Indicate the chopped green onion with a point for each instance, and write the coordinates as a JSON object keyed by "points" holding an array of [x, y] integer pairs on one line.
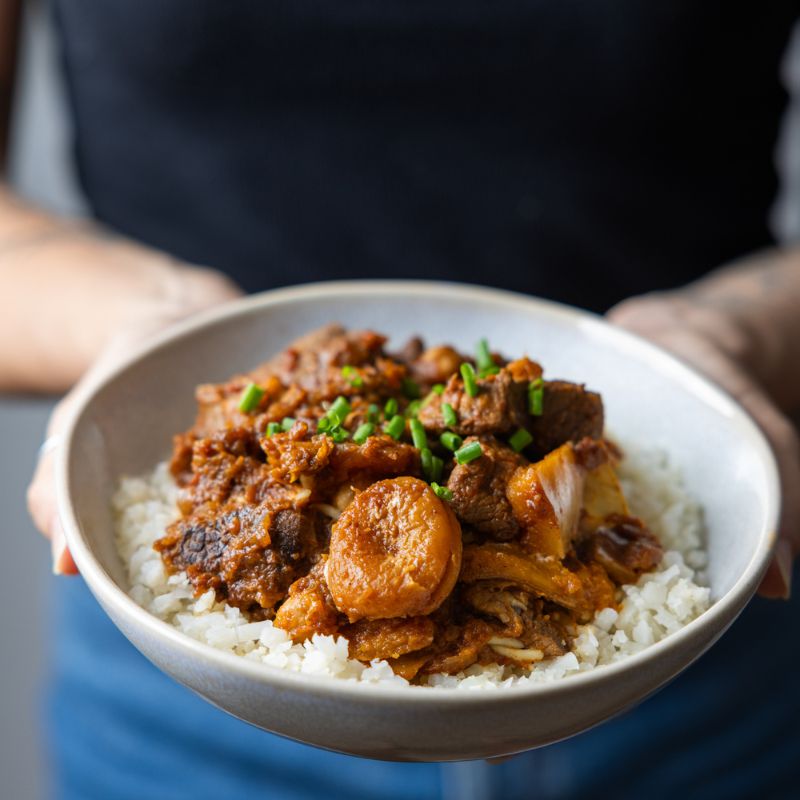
{"points": [[520, 440], [352, 375], [438, 388], [451, 441], [469, 452], [436, 468], [395, 427], [273, 428], [470, 384], [442, 492], [413, 408], [363, 432], [339, 435], [449, 415], [426, 457], [483, 358], [410, 389], [287, 422], [418, 434], [325, 425], [536, 397], [373, 413], [339, 410], [250, 397], [390, 409], [487, 371]]}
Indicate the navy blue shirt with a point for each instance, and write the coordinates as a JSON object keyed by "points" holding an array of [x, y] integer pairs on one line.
{"points": [[582, 151]]}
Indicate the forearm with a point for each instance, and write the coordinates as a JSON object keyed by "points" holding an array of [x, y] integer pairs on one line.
{"points": [[67, 288]]}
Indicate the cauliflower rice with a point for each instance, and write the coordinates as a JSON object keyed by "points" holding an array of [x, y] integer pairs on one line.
{"points": [[660, 603]]}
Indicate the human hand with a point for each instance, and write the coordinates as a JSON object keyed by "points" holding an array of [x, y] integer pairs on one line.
{"points": [[187, 290], [713, 339]]}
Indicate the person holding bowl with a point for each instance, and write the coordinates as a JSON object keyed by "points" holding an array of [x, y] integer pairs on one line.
{"points": [[618, 157]]}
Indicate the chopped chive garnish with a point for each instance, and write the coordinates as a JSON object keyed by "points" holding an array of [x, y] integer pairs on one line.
{"points": [[487, 371], [395, 426], [351, 374], [273, 428], [339, 435], [363, 432], [325, 424], [413, 408], [339, 410], [470, 384], [451, 441], [442, 492], [426, 457], [483, 358], [520, 440], [418, 434], [536, 397], [469, 452], [390, 409], [449, 415], [410, 389], [250, 397], [373, 413], [438, 388], [287, 422], [437, 466]]}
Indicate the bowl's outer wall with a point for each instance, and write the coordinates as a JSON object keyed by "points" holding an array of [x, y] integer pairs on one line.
{"points": [[434, 731], [127, 426]]}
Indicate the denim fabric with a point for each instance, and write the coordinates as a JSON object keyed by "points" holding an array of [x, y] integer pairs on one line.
{"points": [[121, 730]]}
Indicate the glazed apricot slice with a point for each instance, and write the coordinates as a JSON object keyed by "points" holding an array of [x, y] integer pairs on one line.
{"points": [[395, 552]]}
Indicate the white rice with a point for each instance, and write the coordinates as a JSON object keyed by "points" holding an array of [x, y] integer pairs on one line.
{"points": [[660, 603]]}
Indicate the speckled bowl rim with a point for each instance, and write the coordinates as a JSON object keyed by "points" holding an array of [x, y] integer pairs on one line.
{"points": [[686, 378]]}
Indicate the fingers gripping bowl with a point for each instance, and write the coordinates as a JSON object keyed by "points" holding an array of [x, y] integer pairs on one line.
{"points": [[121, 428]]}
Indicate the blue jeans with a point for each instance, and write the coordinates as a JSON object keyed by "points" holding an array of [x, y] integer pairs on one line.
{"points": [[119, 729]]}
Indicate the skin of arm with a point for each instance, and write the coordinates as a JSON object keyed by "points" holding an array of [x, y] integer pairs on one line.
{"points": [[740, 326]]}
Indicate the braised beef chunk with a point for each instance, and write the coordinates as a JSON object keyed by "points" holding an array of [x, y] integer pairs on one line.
{"points": [[624, 547], [436, 365], [498, 407], [247, 554], [479, 489], [293, 535], [569, 414], [287, 512]]}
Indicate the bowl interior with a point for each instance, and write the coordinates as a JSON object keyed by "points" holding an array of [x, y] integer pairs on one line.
{"points": [[649, 397]]}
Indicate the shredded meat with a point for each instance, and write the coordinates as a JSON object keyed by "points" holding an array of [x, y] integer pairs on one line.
{"points": [[388, 638], [309, 608]]}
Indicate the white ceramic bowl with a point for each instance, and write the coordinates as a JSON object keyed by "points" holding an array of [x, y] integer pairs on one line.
{"points": [[124, 426]]}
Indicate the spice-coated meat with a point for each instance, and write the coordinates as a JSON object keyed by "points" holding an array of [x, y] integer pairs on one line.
{"points": [[249, 555], [569, 414], [479, 489]]}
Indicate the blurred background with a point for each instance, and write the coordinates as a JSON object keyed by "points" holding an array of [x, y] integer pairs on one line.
{"points": [[41, 171]]}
